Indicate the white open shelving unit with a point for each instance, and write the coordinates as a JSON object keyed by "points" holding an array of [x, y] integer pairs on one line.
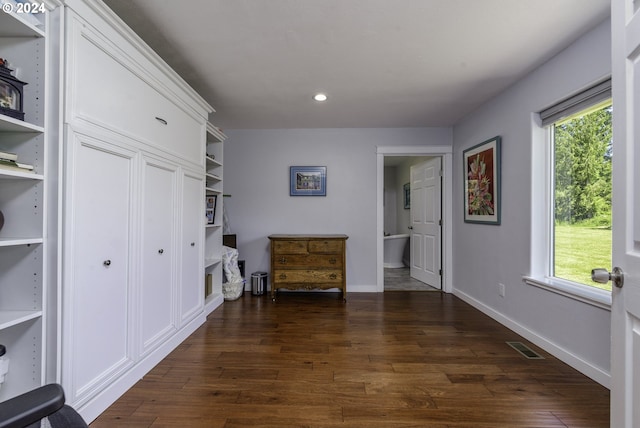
{"points": [[214, 231], [25, 199]]}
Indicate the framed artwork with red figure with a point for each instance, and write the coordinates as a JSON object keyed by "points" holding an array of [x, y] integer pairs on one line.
{"points": [[482, 197]]}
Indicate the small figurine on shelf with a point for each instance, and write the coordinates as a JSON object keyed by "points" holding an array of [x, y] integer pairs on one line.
{"points": [[11, 92]]}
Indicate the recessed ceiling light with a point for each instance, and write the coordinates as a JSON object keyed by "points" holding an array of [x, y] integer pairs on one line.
{"points": [[320, 97]]}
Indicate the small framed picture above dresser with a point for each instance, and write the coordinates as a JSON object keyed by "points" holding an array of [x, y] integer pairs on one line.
{"points": [[308, 181]]}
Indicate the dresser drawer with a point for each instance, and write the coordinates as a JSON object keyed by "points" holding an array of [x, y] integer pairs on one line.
{"points": [[326, 246], [290, 247], [308, 276], [296, 261]]}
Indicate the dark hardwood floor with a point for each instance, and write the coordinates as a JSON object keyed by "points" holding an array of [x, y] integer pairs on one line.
{"points": [[397, 359]]}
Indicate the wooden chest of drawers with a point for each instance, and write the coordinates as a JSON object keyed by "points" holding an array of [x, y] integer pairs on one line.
{"points": [[307, 262]]}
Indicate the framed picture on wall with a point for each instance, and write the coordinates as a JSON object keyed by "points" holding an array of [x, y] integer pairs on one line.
{"points": [[308, 181], [482, 197]]}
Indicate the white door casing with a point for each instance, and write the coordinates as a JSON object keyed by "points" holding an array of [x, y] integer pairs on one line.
{"points": [[446, 154], [425, 228], [625, 308]]}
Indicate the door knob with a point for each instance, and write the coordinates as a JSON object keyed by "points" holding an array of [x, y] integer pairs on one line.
{"points": [[603, 276]]}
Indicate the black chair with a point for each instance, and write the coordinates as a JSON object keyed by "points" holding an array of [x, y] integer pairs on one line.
{"points": [[31, 408]]}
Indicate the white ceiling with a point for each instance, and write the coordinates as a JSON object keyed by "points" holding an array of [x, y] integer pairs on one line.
{"points": [[382, 63]]}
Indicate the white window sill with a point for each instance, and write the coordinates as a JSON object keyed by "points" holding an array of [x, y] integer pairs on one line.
{"points": [[583, 293]]}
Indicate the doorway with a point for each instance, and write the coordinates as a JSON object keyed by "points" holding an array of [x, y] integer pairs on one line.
{"points": [[445, 154], [406, 244]]}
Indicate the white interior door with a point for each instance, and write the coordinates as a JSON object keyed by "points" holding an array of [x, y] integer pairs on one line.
{"points": [[625, 309], [426, 215]]}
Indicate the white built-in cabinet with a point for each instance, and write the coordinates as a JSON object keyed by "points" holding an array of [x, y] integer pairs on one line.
{"points": [[27, 201], [214, 231], [133, 242], [104, 245]]}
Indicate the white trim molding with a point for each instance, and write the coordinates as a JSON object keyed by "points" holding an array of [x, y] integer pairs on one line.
{"points": [[583, 293]]}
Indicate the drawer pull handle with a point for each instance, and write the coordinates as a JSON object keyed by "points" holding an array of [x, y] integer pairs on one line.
{"points": [[193, 244], [333, 276], [160, 251], [107, 263], [283, 276], [161, 120], [283, 261], [333, 260]]}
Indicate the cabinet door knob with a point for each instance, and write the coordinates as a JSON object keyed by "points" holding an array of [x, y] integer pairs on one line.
{"points": [[283, 276], [160, 251], [333, 276], [283, 261], [107, 263], [193, 244]]}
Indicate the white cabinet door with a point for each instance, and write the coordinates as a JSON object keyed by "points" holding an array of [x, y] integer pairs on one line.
{"points": [[96, 287], [157, 294], [191, 278], [150, 113]]}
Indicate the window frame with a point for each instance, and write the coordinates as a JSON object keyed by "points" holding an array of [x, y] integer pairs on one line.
{"points": [[543, 216]]}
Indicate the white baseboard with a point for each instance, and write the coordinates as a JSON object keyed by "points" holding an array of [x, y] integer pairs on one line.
{"points": [[350, 289], [362, 289], [584, 367], [212, 302], [393, 265]]}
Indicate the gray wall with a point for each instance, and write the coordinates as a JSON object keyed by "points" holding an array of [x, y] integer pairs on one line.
{"points": [[256, 174], [484, 256]]}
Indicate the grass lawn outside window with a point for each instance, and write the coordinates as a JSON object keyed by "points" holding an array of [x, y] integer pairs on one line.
{"points": [[578, 249]]}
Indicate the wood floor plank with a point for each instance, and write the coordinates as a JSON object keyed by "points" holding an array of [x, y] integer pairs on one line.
{"points": [[401, 359]]}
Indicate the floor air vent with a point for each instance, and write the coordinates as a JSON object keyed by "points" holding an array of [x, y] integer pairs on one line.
{"points": [[525, 351]]}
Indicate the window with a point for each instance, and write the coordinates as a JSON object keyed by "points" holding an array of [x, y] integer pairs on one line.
{"points": [[582, 195], [578, 190]]}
